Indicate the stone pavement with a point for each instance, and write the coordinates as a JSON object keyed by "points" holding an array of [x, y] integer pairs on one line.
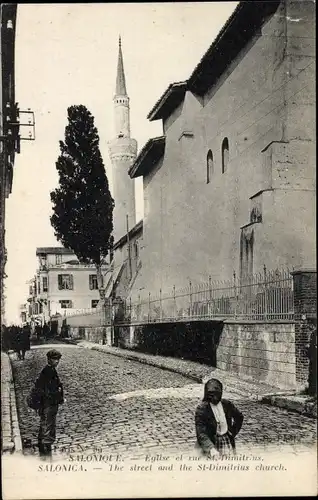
{"points": [[250, 389], [117, 405], [197, 371]]}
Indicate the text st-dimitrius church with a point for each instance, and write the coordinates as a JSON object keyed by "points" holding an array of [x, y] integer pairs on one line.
{"points": [[229, 186]]}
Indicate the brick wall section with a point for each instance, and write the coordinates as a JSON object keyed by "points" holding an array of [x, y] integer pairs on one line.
{"points": [[260, 351], [305, 306]]}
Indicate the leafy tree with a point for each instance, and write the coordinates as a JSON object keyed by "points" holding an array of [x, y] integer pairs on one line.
{"points": [[82, 204]]}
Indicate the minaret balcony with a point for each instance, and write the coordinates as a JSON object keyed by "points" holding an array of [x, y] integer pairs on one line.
{"points": [[121, 100], [123, 146]]}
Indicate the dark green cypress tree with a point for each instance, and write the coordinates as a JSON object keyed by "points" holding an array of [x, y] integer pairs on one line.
{"points": [[82, 204]]}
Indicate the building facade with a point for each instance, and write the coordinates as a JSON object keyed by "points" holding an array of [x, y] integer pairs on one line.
{"points": [[230, 184], [61, 286], [9, 127]]}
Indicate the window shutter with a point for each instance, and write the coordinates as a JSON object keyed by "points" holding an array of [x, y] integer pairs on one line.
{"points": [[60, 281], [71, 282]]}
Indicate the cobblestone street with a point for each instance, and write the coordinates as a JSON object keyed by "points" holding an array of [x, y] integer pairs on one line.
{"points": [[117, 405]]}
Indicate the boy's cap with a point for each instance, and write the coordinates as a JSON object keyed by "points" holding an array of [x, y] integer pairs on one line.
{"points": [[53, 354]]}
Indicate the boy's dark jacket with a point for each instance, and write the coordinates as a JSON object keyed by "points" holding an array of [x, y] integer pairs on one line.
{"points": [[206, 425], [49, 387]]}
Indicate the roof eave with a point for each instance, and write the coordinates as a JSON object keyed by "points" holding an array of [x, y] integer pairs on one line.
{"points": [[251, 15], [133, 231], [137, 168], [159, 110], [53, 250]]}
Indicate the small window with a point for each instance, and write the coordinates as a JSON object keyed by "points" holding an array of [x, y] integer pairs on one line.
{"points": [[65, 281], [45, 284], [93, 285], [209, 166], [66, 304], [225, 154], [94, 303], [58, 259]]}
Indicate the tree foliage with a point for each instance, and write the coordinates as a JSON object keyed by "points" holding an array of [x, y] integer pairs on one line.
{"points": [[82, 204]]}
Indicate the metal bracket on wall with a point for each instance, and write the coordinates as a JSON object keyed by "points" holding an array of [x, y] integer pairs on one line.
{"points": [[29, 115]]}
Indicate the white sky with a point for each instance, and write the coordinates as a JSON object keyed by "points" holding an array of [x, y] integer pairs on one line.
{"points": [[66, 54]]}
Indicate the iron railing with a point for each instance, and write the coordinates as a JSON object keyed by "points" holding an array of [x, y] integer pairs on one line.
{"points": [[266, 296]]}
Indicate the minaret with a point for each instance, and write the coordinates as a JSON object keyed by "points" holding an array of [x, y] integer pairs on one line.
{"points": [[122, 152]]}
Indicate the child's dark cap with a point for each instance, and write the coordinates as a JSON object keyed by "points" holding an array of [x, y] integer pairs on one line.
{"points": [[53, 354]]}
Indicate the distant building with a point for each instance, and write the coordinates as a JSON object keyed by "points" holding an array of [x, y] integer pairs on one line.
{"points": [[230, 184], [62, 285], [24, 313]]}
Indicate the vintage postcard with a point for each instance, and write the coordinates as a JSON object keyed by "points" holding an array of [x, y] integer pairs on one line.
{"points": [[158, 257]]}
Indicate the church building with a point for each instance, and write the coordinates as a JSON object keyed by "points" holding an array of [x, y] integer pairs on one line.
{"points": [[230, 184]]}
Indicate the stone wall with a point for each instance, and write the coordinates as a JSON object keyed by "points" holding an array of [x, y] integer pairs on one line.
{"points": [[96, 334], [97, 318], [260, 351], [189, 340]]}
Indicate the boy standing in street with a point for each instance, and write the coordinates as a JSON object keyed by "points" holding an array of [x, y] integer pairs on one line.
{"points": [[50, 391], [217, 422]]}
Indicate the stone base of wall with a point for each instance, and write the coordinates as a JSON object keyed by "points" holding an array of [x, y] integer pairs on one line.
{"points": [[259, 351], [192, 340], [96, 334], [262, 352]]}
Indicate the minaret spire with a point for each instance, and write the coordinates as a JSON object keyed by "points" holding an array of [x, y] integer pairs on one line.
{"points": [[122, 151], [120, 80]]}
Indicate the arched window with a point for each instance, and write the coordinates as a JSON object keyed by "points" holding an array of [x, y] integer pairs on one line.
{"points": [[225, 154], [209, 166]]}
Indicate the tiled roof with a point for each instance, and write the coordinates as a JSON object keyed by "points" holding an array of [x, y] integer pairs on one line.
{"points": [[245, 21], [169, 100], [242, 25], [54, 250]]}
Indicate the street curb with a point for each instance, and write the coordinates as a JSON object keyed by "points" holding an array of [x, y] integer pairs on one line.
{"points": [[148, 362], [15, 442], [306, 408]]}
